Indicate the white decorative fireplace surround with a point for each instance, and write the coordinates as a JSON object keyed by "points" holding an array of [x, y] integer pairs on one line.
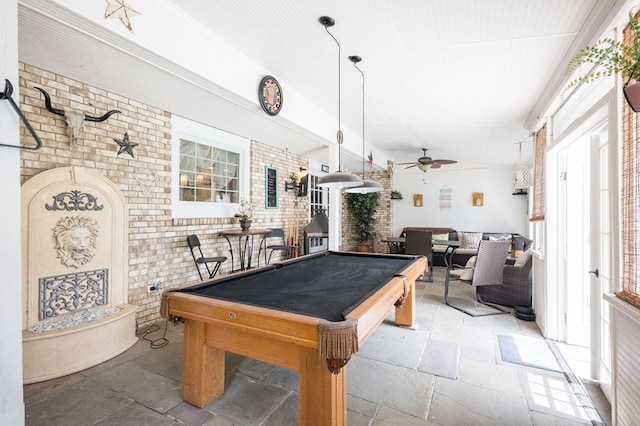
{"points": [[74, 269]]}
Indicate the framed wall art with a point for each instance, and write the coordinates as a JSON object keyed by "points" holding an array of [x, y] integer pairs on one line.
{"points": [[478, 199], [446, 198]]}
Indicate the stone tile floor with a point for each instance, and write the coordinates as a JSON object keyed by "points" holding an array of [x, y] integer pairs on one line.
{"points": [[446, 371]]}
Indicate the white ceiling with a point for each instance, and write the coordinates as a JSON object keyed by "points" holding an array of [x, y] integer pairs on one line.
{"points": [[464, 78]]}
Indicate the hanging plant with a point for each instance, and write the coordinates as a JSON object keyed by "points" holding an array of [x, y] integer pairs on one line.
{"points": [[609, 57], [396, 195]]}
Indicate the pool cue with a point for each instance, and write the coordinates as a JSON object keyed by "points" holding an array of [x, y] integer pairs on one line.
{"points": [[289, 225], [296, 231]]}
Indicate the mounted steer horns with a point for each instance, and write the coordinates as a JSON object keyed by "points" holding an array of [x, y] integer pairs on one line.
{"points": [[74, 120]]}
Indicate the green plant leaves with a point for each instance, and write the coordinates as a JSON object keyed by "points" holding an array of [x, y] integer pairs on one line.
{"points": [[363, 210], [608, 57]]}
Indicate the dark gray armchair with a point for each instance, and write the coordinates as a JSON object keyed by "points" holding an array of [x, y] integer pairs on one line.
{"points": [[516, 289], [419, 242], [483, 270]]}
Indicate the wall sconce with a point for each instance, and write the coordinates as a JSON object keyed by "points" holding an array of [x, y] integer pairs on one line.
{"points": [[298, 181]]}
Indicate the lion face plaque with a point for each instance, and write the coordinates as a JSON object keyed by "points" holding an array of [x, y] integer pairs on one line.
{"points": [[75, 240]]}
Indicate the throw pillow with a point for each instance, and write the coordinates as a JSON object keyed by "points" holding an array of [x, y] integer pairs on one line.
{"points": [[470, 240], [501, 238], [522, 259], [441, 237], [467, 274]]}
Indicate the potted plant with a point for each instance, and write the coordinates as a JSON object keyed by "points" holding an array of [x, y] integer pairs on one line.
{"points": [[245, 214], [610, 57], [363, 210], [396, 195]]}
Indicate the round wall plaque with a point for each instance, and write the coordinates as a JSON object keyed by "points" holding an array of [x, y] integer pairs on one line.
{"points": [[270, 95]]}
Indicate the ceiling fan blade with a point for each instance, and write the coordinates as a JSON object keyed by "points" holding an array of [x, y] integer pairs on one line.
{"points": [[425, 162], [402, 164]]}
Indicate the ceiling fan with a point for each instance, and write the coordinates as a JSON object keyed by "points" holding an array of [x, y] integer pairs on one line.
{"points": [[425, 163]]}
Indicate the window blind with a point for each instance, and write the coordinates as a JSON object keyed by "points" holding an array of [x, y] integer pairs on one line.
{"points": [[630, 206], [537, 210]]}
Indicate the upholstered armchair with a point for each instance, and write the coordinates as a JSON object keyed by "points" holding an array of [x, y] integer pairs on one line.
{"points": [[483, 270], [516, 288]]}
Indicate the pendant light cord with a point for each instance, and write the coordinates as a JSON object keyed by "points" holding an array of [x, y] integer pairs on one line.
{"points": [[339, 135], [355, 64], [367, 186], [520, 152]]}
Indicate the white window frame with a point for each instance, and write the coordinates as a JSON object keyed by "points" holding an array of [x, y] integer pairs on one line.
{"points": [[183, 128]]}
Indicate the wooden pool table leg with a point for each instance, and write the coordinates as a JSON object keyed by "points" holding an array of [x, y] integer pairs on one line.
{"points": [[202, 366], [323, 395], [406, 314]]}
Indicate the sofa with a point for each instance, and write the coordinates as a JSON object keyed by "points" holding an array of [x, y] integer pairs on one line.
{"points": [[462, 254]]}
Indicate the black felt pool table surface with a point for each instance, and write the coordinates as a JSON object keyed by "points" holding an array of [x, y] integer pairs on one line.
{"points": [[327, 285]]}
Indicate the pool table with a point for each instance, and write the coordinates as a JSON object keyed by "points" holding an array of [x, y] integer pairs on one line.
{"points": [[307, 314]]}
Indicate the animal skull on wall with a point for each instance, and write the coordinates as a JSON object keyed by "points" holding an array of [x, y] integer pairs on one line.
{"points": [[74, 120]]}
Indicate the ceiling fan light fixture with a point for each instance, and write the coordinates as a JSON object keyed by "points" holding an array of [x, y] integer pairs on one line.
{"points": [[338, 179], [426, 163]]}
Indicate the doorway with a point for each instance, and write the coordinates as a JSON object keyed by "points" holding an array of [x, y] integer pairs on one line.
{"points": [[577, 218], [582, 245]]}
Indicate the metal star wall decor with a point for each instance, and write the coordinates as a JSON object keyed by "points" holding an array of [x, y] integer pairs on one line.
{"points": [[118, 9], [125, 145]]}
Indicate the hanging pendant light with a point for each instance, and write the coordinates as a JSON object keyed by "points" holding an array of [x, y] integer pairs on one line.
{"points": [[368, 186], [337, 179], [521, 176]]}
